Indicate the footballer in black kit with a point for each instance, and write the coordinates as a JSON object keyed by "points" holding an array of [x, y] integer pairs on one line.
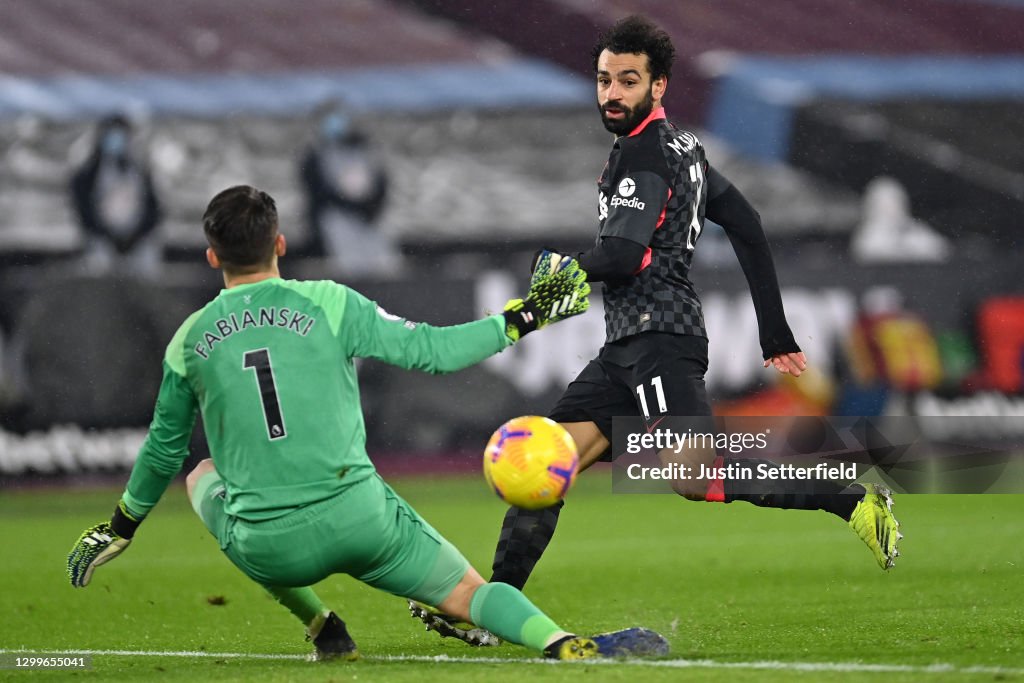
{"points": [[654, 194]]}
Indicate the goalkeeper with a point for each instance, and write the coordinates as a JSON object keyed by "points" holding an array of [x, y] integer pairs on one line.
{"points": [[290, 493]]}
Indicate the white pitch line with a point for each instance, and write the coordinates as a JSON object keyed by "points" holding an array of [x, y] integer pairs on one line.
{"points": [[771, 665]]}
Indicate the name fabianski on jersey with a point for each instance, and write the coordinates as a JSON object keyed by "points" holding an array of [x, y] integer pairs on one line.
{"points": [[294, 321]]}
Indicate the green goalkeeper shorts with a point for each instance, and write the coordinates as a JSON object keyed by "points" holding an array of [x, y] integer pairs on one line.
{"points": [[367, 531]]}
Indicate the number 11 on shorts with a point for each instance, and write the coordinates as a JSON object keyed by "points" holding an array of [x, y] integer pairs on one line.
{"points": [[659, 393]]}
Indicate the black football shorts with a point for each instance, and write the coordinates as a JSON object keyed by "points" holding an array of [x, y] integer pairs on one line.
{"points": [[650, 375]]}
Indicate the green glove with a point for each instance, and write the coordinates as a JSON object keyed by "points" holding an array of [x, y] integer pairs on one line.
{"points": [[547, 262], [97, 545], [100, 544], [558, 290]]}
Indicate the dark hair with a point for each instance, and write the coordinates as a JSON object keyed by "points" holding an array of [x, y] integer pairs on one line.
{"points": [[241, 225], [636, 35]]}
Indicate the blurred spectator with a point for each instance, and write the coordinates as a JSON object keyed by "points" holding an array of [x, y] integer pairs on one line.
{"points": [[889, 233], [345, 185], [116, 204]]}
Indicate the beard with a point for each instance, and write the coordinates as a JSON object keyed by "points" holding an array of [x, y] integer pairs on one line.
{"points": [[631, 116]]}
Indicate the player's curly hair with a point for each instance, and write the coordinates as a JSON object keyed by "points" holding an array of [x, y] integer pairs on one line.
{"points": [[241, 225], [637, 35]]}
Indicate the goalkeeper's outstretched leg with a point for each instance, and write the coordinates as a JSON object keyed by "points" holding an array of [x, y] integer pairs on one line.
{"points": [[507, 613], [328, 632]]}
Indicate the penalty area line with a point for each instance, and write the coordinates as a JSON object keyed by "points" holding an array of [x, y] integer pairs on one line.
{"points": [[770, 665]]}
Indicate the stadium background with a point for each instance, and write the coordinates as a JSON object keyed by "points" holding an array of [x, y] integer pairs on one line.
{"points": [[485, 123], [483, 115]]}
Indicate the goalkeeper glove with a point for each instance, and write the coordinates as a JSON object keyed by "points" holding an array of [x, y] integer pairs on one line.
{"points": [[546, 262], [100, 544], [558, 290]]}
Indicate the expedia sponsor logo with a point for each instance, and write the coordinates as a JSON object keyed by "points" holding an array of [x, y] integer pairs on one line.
{"points": [[633, 203], [624, 197]]}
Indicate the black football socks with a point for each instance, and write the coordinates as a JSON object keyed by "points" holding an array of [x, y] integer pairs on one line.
{"points": [[525, 535], [787, 493]]}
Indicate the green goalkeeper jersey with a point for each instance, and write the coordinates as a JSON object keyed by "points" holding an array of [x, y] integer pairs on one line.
{"points": [[269, 365]]}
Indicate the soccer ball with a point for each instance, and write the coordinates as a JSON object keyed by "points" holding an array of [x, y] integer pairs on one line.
{"points": [[530, 462]]}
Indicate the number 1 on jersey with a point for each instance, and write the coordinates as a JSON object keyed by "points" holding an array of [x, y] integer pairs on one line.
{"points": [[259, 360]]}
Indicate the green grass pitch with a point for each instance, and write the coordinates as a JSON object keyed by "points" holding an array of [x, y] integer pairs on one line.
{"points": [[743, 594]]}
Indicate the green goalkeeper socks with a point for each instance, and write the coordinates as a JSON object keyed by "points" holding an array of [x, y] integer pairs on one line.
{"points": [[498, 607], [302, 602], [508, 614]]}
